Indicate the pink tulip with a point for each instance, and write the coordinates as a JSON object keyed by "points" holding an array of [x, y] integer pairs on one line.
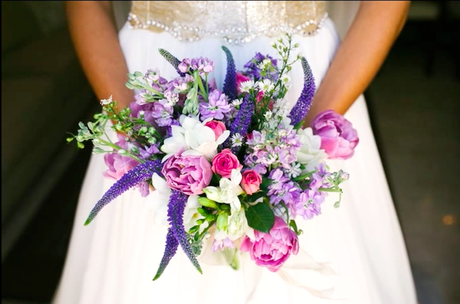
{"points": [[272, 249], [338, 138], [189, 174]]}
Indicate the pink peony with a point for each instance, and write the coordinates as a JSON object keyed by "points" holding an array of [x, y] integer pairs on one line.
{"points": [[272, 249], [118, 164], [239, 79], [224, 162], [250, 181], [189, 174], [338, 138], [217, 126]]}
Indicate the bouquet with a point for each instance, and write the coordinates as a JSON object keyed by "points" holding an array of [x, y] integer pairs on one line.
{"points": [[234, 165]]}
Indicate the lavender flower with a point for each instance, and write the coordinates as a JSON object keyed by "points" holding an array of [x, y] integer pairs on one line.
{"points": [[242, 121], [170, 251], [303, 104], [216, 107], [309, 204], [172, 60], [132, 178], [162, 113], [282, 189], [253, 66], [230, 87], [176, 208], [146, 152]]}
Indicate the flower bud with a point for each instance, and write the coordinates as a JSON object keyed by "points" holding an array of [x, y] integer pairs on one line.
{"points": [[222, 221], [204, 201]]}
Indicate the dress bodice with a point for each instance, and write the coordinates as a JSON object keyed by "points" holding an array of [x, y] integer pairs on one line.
{"points": [[235, 21]]}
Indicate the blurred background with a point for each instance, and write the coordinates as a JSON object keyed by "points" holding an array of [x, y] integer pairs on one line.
{"points": [[414, 104]]}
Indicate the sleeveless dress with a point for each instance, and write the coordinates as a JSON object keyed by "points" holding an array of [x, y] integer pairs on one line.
{"points": [[353, 254]]}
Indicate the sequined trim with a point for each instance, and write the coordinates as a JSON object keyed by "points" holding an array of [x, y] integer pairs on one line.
{"points": [[246, 20]]}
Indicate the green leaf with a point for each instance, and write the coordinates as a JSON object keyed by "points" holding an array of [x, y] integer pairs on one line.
{"points": [[260, 217], [265, 183], [254, 197], [194, 229]]}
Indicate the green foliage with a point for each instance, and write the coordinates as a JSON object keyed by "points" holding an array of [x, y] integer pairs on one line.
{"points": [[260, 217]]}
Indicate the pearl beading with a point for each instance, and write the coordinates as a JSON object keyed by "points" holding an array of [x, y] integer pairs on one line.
{"points": [[232, 34]]}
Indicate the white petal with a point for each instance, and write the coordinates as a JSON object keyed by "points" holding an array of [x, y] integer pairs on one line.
{"points": [[223, 137], [160, 184], [213, 193]]}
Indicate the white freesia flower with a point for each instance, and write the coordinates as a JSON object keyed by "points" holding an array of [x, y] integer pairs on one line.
{"points": [[158, 199], [193, 138], [228, 190], [191, 214], [310, 154], [237, 227]]}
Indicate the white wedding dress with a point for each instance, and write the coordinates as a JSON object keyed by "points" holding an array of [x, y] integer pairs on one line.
{"points": [[357, 249]]}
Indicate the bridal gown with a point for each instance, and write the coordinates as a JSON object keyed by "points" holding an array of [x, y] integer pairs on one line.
{"points": [[353, 254]]}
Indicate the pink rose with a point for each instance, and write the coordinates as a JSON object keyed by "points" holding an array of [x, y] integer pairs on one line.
{"points": [[240, 78], [250, 181], [272, 249], [118, 164], [217, 126], [189, 174], [338, 138], [224, 162]]}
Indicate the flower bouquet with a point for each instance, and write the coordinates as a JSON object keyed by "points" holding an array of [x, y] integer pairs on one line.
{"points": [[232, 167]]}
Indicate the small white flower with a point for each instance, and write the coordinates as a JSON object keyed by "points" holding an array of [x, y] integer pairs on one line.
{"points": [[246, 86], [153, 76], [285, 79], [294, 171], [268, 115], [237, 140], [265, 63], [181, 87], [237, 102], [266, 85], [107, 101]]}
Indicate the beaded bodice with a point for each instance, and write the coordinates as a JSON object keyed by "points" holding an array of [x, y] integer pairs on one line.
{"points": [[235, 21]]}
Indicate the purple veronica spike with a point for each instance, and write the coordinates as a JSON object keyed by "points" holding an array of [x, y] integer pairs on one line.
{"points": [[133, 177], [170, 251], [303, 104], [175, 212], [242, 121], [230, 79], [172, 60]]}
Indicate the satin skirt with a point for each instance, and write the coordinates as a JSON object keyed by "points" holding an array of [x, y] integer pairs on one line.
{"points": [[352, 254]]}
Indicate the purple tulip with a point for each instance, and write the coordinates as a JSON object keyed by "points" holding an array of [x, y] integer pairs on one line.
{"points": [[189, 174], [272, 249], [338, 138]]}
